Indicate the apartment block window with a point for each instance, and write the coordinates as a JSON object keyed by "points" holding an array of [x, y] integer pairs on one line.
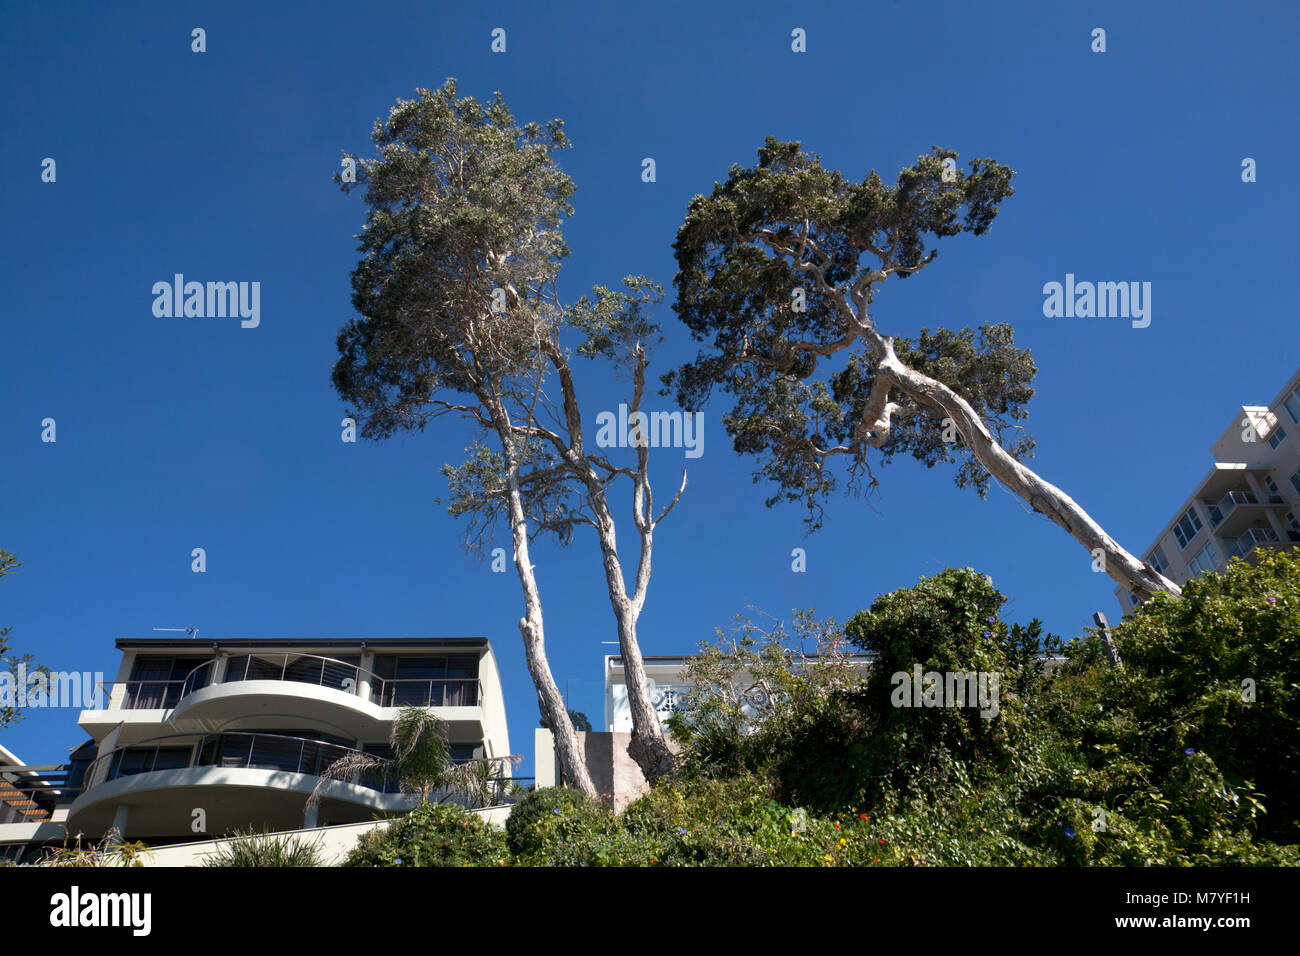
{"points": [[427, 680], [1190, 523], [1133, 598], [1270, 484], [1158, 561], [1291, 520], [1277, 437], [1295, 482], [1207, 559], [156, 682], [1292, 404]]}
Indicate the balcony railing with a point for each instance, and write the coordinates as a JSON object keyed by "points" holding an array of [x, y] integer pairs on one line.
{"points": [[1250, 539], [1225, 505], [305, 669], [285, 754], [254, 751], [436, 692]]}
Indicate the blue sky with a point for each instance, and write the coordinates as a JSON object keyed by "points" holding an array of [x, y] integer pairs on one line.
{"points": [[183, 433]]}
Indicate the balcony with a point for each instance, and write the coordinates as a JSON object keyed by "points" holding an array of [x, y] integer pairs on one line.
{"points": [[1253, 538], [305, 669], [242, 779], [1224, 506], [318, 691]]}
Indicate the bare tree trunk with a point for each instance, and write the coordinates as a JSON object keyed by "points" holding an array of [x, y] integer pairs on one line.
{"points": [[572, 762], [648, 746], [1044, 497]]}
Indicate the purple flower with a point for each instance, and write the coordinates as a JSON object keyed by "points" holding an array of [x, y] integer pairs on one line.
{"points": [[1272, 600], [1189, 751], [398, 861], [988, 634], [1069, 832], [556, 811], [989, 619], [681, 830]]}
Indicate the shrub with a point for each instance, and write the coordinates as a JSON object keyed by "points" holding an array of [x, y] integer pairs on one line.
{"points": [[432, 834], [265, 849], [534, 806]]}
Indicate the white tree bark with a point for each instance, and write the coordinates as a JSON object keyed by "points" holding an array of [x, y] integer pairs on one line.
{"points": [[572, 763], [1041, 495]]}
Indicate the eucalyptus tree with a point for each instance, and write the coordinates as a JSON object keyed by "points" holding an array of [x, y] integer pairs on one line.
{"points": [[778, 272], [460, 314]]}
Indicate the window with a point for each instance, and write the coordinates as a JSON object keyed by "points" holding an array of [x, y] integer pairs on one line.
{"points": [[1270, 484], [1277, 437], [432, 681], [1190, 523], [1207, 559], [1133, 598], [1295, 482], [1292, 405], [156, 682], [1291, 520], [1158, 561]]}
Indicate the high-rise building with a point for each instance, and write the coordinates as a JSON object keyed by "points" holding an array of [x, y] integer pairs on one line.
{"points": [[1249, 500]]}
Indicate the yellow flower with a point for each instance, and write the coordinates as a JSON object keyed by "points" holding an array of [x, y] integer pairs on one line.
{"points": [[829, 858]]}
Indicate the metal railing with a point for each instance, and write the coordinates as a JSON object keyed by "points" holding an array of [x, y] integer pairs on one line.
{"points": [[431, 692], [145, 694], [286, 754], [304, 669], [233, 749], [1224, 506], [1252, 538]]}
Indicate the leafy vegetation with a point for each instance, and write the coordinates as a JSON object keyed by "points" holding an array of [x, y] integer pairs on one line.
{"points": [[432, 835], [265, 849]]}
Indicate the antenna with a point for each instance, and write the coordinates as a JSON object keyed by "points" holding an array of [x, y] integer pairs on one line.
{"points": [[191, 631]]}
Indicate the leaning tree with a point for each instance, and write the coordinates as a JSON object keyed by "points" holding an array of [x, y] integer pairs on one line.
{"points": [[778, 269], [460, 314]]}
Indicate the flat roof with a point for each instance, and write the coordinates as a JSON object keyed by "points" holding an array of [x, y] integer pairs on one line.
{"points": [[125, 642]]}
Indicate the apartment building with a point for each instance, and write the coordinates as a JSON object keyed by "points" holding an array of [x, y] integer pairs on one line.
{"points": [[1250, 499], [203, 737]]}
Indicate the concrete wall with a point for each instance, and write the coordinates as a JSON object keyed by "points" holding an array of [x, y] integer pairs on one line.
{"points": [[615, 774], [335, 842]]}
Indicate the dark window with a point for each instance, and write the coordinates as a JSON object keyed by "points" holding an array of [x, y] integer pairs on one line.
{"points": [[428, 680], [157, 682]]}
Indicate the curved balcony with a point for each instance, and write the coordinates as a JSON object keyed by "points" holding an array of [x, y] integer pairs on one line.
{"points": [[237, 778], [322, 691], [242, 778]]}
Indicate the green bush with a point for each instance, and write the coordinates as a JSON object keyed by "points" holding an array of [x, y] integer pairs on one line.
{"points": [[431, 835], [534, 806], [265, 849]]}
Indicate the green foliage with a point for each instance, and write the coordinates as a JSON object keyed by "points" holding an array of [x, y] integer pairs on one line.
{"points": [[1174, 735], [431, 835], [790, 224], [265, 849], [461, 201], [10, 712], [1159, 762], [109, 852], [537, 806]]}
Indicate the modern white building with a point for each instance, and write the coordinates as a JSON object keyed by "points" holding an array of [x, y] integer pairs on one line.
{"points": [[1250, 498], [200, 738]]}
